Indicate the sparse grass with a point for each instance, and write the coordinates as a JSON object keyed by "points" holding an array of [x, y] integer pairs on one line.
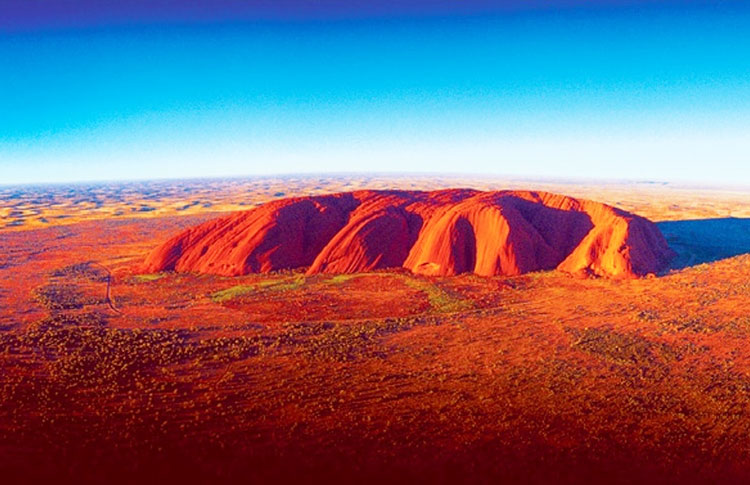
{"points": [[232, 292], [144, 278], [343, 278], [283, 285], [540, 275], [440, 300], [236, 291]]}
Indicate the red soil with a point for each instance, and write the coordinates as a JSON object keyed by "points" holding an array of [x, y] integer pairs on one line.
{"points": [[383, 377], [441, 233]]}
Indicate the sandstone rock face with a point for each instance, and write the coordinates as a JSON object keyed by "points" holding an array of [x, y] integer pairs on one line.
{"points": [[445, 232]]}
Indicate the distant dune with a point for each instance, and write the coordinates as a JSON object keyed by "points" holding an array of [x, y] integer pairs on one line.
{"points": [[443, 232]]}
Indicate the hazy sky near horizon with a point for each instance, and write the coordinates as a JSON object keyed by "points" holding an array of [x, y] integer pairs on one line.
{"points": [[614, 89]]}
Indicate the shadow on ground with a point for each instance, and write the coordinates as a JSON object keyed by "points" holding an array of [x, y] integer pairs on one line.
{"points": [[706, 240]]}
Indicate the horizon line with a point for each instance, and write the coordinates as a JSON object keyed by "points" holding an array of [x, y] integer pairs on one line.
{"points": [[572, 180]]}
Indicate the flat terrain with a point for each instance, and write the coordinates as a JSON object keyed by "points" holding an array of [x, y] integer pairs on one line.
{"points": [[107, 373], [33, 207]]}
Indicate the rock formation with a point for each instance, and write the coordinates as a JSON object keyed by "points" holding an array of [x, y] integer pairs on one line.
{"points": [[443, 232]]}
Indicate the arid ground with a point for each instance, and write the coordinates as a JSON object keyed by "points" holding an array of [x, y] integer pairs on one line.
{"points": [[109, 374]]}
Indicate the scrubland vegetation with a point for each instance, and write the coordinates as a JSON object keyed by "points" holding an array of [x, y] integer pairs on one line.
{"points": [[384, 375]]}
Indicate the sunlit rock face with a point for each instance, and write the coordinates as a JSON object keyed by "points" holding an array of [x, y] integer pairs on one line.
{"points": [[440, 233]]}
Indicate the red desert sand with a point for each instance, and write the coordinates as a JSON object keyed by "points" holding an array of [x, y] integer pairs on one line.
{"points": [[438, 233]]}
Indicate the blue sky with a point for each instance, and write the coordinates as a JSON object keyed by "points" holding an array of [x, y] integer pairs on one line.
{"points": [[616, 90]]}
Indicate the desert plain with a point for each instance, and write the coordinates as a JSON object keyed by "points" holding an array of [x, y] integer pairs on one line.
{"points": [[110, 373]]}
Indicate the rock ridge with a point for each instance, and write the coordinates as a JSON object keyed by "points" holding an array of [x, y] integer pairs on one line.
{"points": [[437, 233]]}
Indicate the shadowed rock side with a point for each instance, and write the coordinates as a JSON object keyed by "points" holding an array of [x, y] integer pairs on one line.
{"points": [[444, 232]]}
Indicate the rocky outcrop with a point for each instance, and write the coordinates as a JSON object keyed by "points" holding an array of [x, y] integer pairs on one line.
{"points": [[444, 232]]}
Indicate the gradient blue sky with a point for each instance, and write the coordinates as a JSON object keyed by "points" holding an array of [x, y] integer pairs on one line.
{"points": [[622, 89]]}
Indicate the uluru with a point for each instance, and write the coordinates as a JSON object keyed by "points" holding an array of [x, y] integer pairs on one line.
{"points": [[440, 233]]}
